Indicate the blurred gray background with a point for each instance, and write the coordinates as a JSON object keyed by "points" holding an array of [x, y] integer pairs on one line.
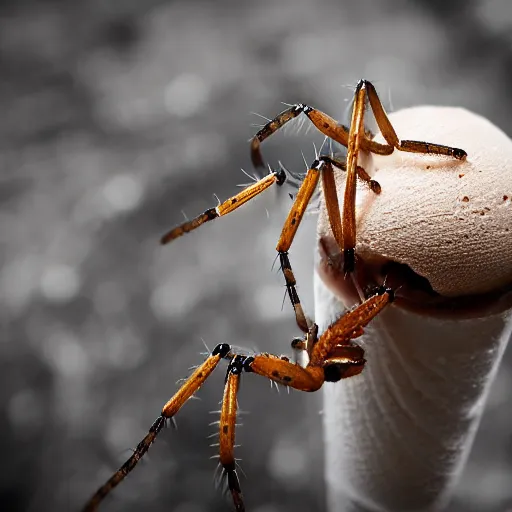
{"points": [[116, 117]]}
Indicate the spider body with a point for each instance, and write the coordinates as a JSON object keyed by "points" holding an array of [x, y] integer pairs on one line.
{"points": [[351, 264]]}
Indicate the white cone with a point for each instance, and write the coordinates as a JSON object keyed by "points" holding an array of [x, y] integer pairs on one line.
{"points": [[397, 435]]}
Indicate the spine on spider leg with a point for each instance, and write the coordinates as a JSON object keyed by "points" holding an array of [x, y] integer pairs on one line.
{"points": [[250, 192], [398, 435]]}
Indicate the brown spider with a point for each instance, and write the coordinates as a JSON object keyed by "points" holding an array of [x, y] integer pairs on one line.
{"points": [[333, 355]]}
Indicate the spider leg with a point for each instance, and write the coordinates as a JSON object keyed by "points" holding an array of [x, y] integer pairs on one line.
{"points": [[389, 134], [191, 385], [227, 430], [357, 141], [356, 134], [345, 360], [278, 177], [373, 185], [324, 167], [283, 371], [323, 122], [290, 226], [350, 325], [321, 167], [332, 357]]}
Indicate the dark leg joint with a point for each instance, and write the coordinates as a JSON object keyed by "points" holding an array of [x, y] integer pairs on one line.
{"points": [[271, 127], [349, 261], [362, 84], [384, 289], [300, 317], [223, 349], [236, 365], [158, 424], [247, 364], [459, 154], [280, 176]]}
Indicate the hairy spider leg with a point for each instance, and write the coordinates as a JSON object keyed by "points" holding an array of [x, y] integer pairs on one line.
{"points": [[290, 226], [189, 387], [335, 161], [349, 201], [331, 195], [332, 357], [350, 326], [389, 134], [227, 427], [340, 133], [321, 167], [323, 122], [278, 177]]}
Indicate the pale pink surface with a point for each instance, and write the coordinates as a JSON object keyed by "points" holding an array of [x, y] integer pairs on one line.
{"points": [[398, 435]]}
